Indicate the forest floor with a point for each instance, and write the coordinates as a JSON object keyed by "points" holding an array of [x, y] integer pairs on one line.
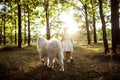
{"points": [[89, 64]]}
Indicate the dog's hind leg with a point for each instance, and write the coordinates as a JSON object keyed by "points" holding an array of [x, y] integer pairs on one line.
{"points": [[50, 63], [47, 61], [61, 62], [53, 62]]}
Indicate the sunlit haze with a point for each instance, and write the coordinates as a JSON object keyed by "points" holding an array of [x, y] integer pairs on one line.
{"points": [[69, 22]]}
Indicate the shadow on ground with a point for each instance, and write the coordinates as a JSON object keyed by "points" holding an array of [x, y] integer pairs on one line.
{"points": [[23, 64]]}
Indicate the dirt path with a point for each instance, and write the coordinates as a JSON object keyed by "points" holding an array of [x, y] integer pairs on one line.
{"points": [[89, 64]]}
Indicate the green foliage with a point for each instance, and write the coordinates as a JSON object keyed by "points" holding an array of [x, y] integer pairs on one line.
{"points": [[56, 8], [99, 34]]}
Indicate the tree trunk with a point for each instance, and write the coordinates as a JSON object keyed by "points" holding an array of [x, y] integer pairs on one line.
{"points": [[4, 41], [106, 48], [88, 31], [4, 16], [1, 33], [19, 26], [94, 27], [25, 38], [15, 32], [47, 19], [15, 26], [11, 36], [94, 22], [28, 25], [115, 24], [25, 26]]}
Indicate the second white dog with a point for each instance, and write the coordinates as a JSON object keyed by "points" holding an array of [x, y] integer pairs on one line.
{"points": [[49, 51]]}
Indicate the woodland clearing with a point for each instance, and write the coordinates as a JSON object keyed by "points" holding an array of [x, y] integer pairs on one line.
{"points": [[89, 64]]}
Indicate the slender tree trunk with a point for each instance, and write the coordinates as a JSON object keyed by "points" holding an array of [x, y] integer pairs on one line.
{"points": [[29, 29], [94, 22], [47, 19], [1, 33], [28, 25], [25, 38], [15, 33], [15, 26], [19, 26], [25, 26], [94, 27], [87, 26], [11, 36], [115, 24], [4, 41], [4, 16], [103, 28]]}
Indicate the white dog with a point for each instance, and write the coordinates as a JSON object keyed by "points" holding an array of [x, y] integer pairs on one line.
{"points": [[49, 51]]}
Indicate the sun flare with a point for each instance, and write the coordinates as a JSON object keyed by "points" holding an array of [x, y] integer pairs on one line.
{"points": [[69, 22], [71, 30]]}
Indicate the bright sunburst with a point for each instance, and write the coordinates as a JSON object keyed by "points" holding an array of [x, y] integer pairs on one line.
{"points": [[69, 22]]}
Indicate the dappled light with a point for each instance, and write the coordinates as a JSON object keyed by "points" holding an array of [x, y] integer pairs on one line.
{"points": [[24, 64]]}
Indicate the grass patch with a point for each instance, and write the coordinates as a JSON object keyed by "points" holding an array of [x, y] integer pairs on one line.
{"points": [[89, 64]]}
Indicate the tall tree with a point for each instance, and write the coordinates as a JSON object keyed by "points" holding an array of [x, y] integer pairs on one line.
{"points": [[115, 24], [106, 47], [47, 19], [19, 25], [28, 23], [25, 37], [87, 25], [15, 26], [4, 14], [85, 5], [94, 22], [15, 32], [1, 32]]}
